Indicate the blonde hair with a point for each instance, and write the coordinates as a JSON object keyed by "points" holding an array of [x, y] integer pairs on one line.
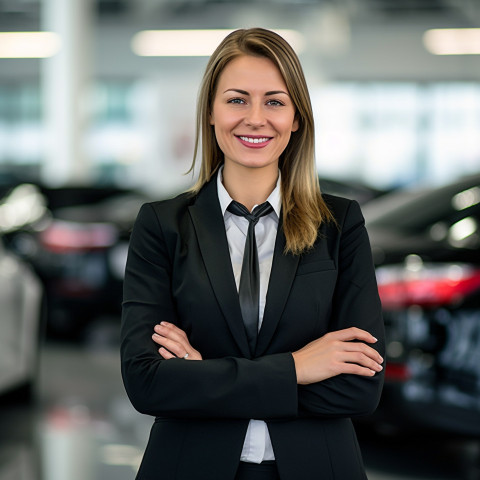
{"points": [[303, 208]]}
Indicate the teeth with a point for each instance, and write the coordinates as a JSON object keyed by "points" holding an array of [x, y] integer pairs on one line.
{"points": [[255, 140]]}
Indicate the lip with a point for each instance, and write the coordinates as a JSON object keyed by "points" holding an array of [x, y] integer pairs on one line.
{"points": [[262, 140]]}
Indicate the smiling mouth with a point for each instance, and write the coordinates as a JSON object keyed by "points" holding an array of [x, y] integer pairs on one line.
{"points": [[255, 140]]}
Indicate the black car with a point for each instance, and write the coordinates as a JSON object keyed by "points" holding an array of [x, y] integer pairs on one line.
{"points": [[426, 247], [354, 190]]}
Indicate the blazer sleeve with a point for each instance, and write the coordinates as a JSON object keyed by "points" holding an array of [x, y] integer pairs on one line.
{"points": [[355, 303], [223, 387]]}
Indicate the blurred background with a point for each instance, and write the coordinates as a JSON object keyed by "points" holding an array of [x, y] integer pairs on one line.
{"points": [[97, 107]]}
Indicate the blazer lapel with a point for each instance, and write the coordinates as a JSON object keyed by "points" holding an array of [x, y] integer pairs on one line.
{"points": [[284, 268], [209, 226]]}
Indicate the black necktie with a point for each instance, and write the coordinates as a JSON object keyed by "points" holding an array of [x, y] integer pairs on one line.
{"points": [[249, 289]]}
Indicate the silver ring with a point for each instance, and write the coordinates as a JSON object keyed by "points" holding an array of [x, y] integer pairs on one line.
{"points": [[185, 356]]}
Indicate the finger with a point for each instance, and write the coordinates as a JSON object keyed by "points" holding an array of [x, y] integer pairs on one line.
{"points": [[172, 327], [166, 342], [177, 349], [355, 369], [353, 333], [172, 336], [363, 349], [165, 353], [172, 332], [362, 360]]}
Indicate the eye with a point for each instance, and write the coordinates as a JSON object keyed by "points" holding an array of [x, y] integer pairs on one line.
{"points": [[236, 101], [275, 103]]}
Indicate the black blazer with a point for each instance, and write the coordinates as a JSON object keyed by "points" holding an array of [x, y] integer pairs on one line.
{"points": [[179, 270]]}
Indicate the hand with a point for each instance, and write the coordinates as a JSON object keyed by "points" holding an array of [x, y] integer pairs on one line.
{"points": [[336, 353], [174, 342]]}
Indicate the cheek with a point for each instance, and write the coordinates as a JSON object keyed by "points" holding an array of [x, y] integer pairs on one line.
{"points": [[221, 138], [217, 119], [286, 125], [224, 125], [288, 128], [219, 132]]}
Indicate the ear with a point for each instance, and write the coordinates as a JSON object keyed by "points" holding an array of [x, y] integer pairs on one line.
{"points": [[212, 121], [295, 124]]}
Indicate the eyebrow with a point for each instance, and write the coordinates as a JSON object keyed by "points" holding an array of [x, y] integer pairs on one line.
{"points": [[243, 92]]}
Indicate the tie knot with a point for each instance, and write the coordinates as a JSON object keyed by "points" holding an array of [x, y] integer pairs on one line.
{"points": [[242, 211]]}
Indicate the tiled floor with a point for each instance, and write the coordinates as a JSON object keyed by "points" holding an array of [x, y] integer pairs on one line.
{"points": [[84, 428]]}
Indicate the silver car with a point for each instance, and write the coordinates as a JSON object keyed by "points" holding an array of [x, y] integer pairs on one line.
{"points": [[21, 295]]}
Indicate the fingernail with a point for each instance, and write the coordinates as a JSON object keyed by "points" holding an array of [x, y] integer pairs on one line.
{"points": [[164, 323]]}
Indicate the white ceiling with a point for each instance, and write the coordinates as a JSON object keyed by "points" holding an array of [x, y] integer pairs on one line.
{"points": [[347, 39]]}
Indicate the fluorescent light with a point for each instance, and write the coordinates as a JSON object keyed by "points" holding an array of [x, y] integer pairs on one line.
{"points": [[28, 44], [193, 43], [452, 41]]}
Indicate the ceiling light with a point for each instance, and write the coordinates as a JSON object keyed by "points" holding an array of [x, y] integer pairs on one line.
{"points": [[28, 44], [452, 41], [193, 43]]}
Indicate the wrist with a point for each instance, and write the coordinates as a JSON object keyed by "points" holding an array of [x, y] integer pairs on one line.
{"points": [[298, 369]]}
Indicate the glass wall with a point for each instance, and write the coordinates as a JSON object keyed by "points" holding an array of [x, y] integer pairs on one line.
{"points": [[398, 134], [383, 134]]}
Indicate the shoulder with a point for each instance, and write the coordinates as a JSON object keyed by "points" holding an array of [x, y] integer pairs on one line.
{"points": [[345, 211], [169, 209], [163, 215], [160, 221], [182, 201]]}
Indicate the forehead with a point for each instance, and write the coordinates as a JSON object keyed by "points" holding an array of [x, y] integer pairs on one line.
{"points": [[255, 72]]}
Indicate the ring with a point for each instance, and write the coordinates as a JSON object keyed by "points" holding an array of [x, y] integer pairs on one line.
{"points": [[185, 356]]}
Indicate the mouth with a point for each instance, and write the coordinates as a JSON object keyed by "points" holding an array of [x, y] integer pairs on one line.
{"points": [[254, 140]]}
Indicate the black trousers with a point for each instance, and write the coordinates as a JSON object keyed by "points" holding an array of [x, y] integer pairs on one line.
{"points": [[255, 471]]}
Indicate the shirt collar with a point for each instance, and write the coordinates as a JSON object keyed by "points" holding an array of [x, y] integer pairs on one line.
{"points": [[224, 198]]}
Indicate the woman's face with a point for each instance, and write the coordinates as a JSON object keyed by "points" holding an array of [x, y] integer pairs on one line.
{"points": [[252, 113]]}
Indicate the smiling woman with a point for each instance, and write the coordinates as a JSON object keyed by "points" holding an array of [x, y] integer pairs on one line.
{"points": [[303, 207], [253, 117], [251, 324]]}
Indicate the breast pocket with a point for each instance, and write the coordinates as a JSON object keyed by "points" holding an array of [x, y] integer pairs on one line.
{"points": [[315, 267]]}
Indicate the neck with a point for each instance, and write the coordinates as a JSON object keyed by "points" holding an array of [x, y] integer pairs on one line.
{"points": [[250, 186]]}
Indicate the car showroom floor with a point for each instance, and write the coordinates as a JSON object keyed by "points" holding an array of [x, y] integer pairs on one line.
{"points": [[84, 427]]}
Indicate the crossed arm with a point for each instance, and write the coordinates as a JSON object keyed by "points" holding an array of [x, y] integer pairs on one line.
{"points": [[336, 374], [341, 351]]}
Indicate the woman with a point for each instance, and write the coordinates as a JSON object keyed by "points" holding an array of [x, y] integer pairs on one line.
{"points": [[252, 353]]}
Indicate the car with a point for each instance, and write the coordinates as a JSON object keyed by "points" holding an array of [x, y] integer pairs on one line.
{"points": [[21, 326], [426, 249], [76, 240], [351, 189], [22, 298]]}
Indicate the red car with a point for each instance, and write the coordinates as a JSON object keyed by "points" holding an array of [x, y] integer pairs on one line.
{"points": [[426, 246]]}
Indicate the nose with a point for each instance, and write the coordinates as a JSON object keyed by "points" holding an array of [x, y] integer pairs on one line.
{"points": [[255, 116]]}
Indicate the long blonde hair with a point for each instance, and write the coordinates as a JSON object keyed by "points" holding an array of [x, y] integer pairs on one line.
{"points": [[303, 208]]}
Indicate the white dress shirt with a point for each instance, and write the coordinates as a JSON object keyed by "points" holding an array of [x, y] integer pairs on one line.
{"points": [[257, 446]]}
